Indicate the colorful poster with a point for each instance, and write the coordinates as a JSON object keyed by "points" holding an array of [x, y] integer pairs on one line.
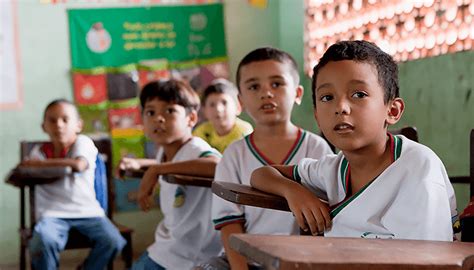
{"points": [[116, 51], [115, 37]]}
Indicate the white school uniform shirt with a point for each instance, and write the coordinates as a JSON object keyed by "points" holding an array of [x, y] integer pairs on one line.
{"points": [[239, 161], [185, 237], [410, 199], [74, 195]]}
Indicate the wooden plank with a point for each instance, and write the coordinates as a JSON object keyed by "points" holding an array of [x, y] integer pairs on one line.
{"points": [[27, 176], [188, 180], [307, 252], [243, 194]]}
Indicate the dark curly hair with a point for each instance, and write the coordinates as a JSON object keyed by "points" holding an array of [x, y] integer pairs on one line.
{"points": [[173, 91], [362, 51], [268, 53]]}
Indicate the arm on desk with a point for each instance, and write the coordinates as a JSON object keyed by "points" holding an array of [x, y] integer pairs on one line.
{"points": [[204, 166], [307, 208], [78, 164], [134, 167]]}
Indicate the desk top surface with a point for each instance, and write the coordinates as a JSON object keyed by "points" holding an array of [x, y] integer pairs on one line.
{"points": [[242, 194], [27, 176], [306, 252]]}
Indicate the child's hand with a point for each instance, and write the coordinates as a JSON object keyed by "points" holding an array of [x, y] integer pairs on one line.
{"points": [[145, 191], [127, 164], [308, 210]]}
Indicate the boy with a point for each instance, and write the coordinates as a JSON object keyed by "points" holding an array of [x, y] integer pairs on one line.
{"points": [[379, 185], [185, 236], [221, 108], [268, 83], [69, 203]]}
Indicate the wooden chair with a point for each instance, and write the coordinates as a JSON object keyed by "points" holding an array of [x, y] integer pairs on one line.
{"points": [[29, 177]]}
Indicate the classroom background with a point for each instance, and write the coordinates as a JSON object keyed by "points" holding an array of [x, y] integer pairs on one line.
{"points": [[437, 91]]}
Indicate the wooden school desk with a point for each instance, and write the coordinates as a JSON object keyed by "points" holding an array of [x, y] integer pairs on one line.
{"points": [[247, 195], [307, 252], [185, 180]]}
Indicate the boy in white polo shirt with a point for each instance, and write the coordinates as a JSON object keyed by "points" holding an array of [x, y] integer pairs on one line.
{"points": [[269, 87], [379, 185], [69, 203], [185, 237]]}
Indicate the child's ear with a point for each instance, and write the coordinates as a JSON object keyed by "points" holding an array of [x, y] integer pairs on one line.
{"points": [[241, 105], [80, 126], [238, 107], [395, 111], [192, 118], [43, 127], [299, 94]]}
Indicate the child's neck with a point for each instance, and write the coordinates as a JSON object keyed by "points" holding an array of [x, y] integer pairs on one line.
{"points": [[61, 147], [276, 142], [171, 149], [366, 164], [275, 131], [223, 130]]}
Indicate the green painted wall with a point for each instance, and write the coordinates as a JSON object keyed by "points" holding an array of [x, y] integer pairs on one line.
{"points": [[436, 91]]}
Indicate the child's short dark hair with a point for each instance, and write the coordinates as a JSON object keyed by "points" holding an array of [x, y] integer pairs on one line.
{"points": [[172, 91], [59, 101], [363, 51], [219, 86], [268, 53]]}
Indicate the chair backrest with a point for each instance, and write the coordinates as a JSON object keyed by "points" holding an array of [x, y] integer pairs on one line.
{"points": [[409, 132], [103, 180]]}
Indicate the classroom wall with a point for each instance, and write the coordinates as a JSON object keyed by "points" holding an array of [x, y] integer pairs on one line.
{"points": [[45, 66], [437, 92]]}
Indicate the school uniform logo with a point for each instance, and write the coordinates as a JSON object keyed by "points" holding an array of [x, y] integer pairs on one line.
{"points": [[179, 197]]}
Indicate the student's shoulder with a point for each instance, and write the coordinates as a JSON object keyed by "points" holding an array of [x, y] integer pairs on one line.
{"points": [[243, 126], [202, 128], [416, 152], [197, 144], [316, 141], [84, 141]]}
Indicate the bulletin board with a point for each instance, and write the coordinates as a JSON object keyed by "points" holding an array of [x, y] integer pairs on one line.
{"points": [[116, 51]]}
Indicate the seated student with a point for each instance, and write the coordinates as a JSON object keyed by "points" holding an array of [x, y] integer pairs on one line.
{"points": [[379, 185], [69, 203], [268, 84], [185, 236], [221, 108]]}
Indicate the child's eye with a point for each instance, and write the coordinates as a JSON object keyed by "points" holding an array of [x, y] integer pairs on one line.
{"points": [[253, 87], [276, 84], [325, 98], [170, 110], [359, 94], [149, 113]]}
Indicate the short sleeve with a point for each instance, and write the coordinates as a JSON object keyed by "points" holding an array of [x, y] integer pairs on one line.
{"points": [[85, 148], [307, 173], [225, 212]]}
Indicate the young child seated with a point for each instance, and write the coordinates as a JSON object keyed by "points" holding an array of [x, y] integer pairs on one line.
{"points": [[185, 236], [69, 203], [268, 84], [221, 108], [379, 185]]}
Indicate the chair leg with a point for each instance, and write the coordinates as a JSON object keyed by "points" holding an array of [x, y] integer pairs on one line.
{"points": [[127, 251], [22, 256]]}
